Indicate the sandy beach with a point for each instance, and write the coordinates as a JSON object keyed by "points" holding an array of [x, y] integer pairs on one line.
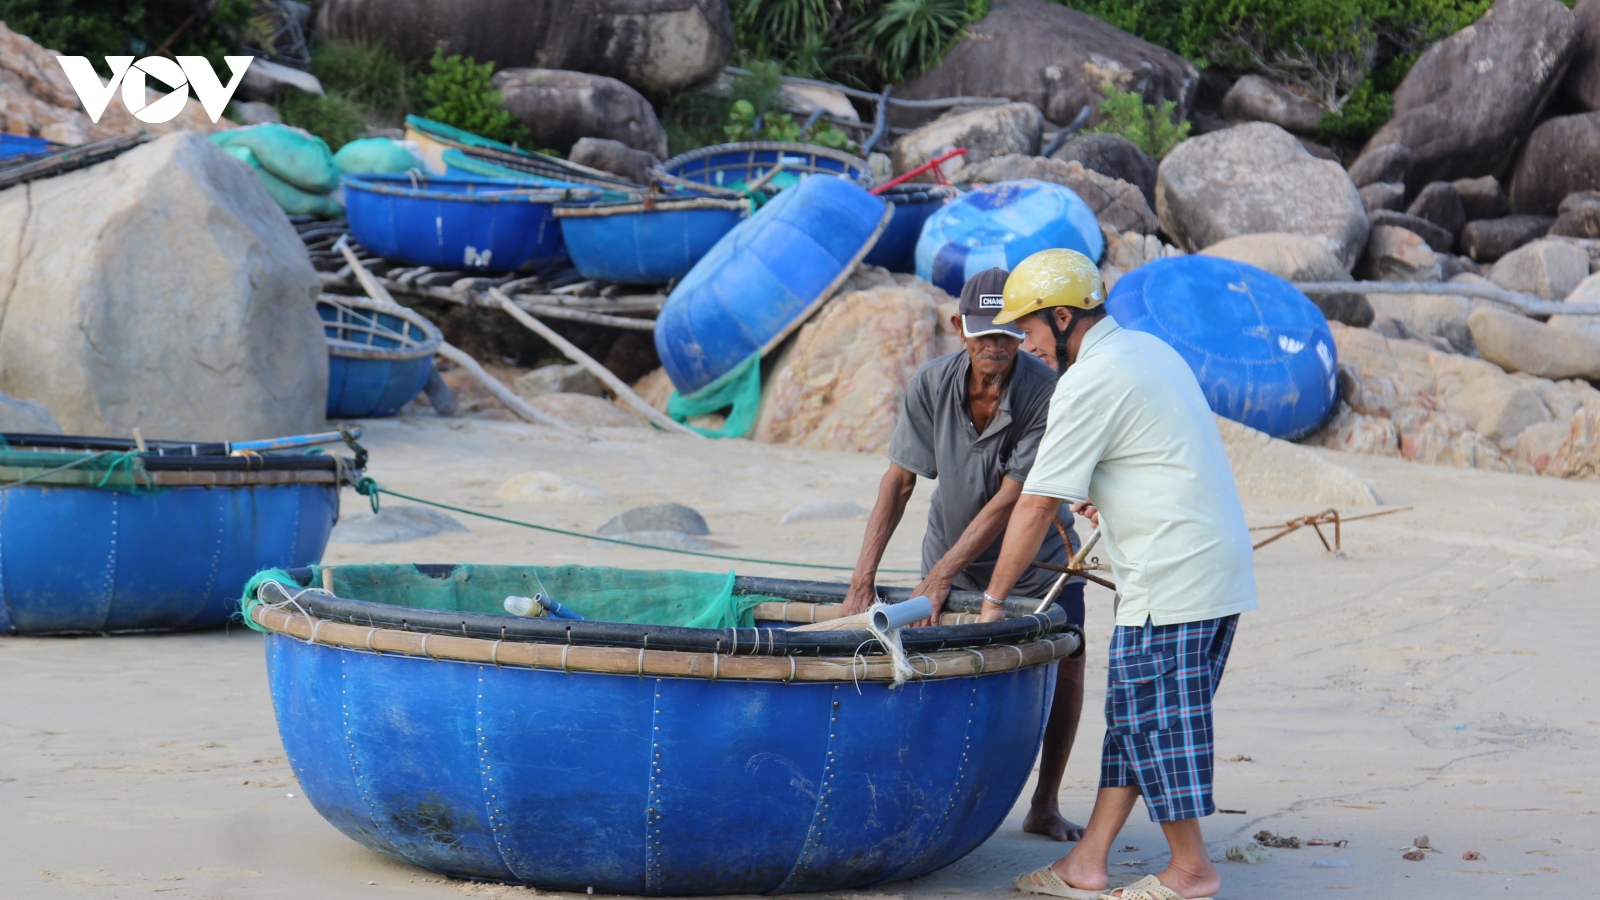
{"points": [[1433, 678]]}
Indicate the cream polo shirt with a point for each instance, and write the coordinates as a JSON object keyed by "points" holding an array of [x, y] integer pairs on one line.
{"points": [[1130, 431]]}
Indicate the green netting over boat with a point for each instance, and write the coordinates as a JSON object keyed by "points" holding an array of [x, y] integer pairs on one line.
{"points": [[110, 469], [637, 596]]}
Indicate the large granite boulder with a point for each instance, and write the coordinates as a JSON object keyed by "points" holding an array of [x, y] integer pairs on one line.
{"points": [[1056, 58], [1439, 239], [1440, 204], [841, 383], [1389, 163], [1550, 269], [1562, 157], [561, 108], [163, 290], [1486, 240], [986, 132], [1470, 97], [1482, 198], [615, 157], [1113, 156], [1115, 202], [1298, 257], [1397, 254], [1519, 344], [657, 46], [1256, 99], [1579, 216], [1255, 179], [1581, 87], [18, 416], [1381, 196]]}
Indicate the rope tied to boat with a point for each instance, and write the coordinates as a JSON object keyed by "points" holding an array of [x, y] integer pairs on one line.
{"points": [[370, 489]]}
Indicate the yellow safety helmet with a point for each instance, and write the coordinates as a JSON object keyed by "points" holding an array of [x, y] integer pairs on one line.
{"points": [[1051, 278]]}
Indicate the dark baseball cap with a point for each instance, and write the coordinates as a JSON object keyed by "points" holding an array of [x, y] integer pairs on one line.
{"points": [[982, 298]]}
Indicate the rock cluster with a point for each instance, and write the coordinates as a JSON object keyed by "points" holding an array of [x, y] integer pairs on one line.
{"points": [[1115, 202]]}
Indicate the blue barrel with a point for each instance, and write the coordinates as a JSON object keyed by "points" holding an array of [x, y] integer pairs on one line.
{"points": [[379, 356], [167, 545], [646, 243], [1262, 352], [764, 278], [487, 224], [485, 747], [913, 204], [1000, 225]]}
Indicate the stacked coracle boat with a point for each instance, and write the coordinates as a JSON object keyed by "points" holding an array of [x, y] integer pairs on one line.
{"points": [[603, 753], [109, 535]]}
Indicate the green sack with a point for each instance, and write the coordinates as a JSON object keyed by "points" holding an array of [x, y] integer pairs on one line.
{"points": [[301, 159], [294, 201], [738, 391], [377, 154]]}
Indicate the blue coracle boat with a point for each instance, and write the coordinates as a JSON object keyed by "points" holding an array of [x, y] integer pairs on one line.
{"points": [[488, 224], [645, 758], [731, 167], [896, 250], [646, 242], [1262, 351], [764, 278], [379, 356], [96, 537]]}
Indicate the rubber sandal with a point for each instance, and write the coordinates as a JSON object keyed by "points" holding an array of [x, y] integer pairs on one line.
{"points": [[1046, 881], [1148, 888]]}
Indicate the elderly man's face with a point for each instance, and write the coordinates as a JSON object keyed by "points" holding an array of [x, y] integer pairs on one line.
{"points": [[991, 354]]}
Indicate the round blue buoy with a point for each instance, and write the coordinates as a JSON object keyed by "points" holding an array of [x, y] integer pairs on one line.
{"points": [[1262, 352], [765, 277], [1000, 225]]}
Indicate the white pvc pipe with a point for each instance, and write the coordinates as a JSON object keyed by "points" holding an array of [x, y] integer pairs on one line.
{"points": [[899, 615]]}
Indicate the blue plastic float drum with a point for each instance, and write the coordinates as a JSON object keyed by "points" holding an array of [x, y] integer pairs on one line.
{"points": [[765, 277], [489, 224], [648, 759], [379, 356], [1261, 350], [114, 541], [646, 242], [1000, 225], [896, 250]]}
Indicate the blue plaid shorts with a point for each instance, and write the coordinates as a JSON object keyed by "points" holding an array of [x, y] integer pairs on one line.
{"points": [[1158, 714]]}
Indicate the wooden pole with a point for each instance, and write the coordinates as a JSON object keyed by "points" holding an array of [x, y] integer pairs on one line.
{"points": [[458, 356], [588, 362]]}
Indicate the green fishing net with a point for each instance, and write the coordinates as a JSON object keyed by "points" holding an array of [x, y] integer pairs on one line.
{"points": [[638, 596], [112, 470], [738, 391]]}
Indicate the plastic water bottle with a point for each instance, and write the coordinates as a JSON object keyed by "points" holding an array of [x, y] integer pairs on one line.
{"points": [[527, 606]]}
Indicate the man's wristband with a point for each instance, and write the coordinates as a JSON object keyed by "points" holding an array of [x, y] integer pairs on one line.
{"points": [[989, 599]]}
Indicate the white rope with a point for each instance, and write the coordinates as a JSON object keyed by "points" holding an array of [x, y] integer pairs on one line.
{"points": [[890, 640]]}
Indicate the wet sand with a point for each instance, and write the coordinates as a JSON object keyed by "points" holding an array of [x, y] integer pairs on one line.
{"points": [[1435, 678]]}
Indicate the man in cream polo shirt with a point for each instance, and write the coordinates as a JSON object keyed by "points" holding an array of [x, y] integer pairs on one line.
{"points": [[1132, 444]]}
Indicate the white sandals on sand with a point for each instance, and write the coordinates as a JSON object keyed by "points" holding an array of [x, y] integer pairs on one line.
{"points": [[1146, 888]]}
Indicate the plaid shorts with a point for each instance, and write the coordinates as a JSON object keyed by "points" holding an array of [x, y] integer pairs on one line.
{"points": [[1158, 714]]}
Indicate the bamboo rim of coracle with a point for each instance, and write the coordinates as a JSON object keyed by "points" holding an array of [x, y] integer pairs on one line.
{"points": [[570, 658]]}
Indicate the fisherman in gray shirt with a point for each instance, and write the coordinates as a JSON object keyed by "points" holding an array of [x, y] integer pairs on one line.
{"points": [[973, 420]]}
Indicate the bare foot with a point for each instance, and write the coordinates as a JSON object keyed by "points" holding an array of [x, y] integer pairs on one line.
{"points": [[1049, 823], [1083, 874], [1185, 884]]}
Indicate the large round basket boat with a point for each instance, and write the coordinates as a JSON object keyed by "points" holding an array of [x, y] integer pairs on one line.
{"points": [[731, 167], [467, 223], [97, 536], [649, 241], [680, 740], [379, 355]]}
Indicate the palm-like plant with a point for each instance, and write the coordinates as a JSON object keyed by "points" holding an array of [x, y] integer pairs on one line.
{"points": [[907, 36]]}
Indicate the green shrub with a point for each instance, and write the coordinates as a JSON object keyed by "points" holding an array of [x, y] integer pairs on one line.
{"points": [[329, 116], [781, 126], [367, 75], [458, 92], [1150, 128], [866, 43]]}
